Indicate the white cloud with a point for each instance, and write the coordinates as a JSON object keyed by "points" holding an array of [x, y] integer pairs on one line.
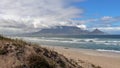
{"points": [[110, 19], [29, 14], [104, 21], [109, 30], [82, 26], [106, 18]]}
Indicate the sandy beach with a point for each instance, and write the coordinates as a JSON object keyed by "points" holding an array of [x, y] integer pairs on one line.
{"points": [[85, 56]]}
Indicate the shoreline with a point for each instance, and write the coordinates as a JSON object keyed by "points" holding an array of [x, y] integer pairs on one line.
{"points": [[99, 58]]}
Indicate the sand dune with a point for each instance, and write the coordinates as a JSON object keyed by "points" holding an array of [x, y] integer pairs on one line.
{"points": [[103, 59]]}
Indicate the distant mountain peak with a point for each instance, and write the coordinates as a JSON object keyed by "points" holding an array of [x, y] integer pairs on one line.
{"points": [[97, 32]]}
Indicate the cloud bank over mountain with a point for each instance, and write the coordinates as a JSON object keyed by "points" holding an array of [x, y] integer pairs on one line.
{"points": [[27, 15]]}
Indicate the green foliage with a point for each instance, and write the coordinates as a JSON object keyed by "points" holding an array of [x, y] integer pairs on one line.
{"points": [[4, 38], [37, 61], [95, 66], [3, 51]]}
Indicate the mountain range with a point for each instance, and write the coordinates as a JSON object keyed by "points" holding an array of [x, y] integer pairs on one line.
{"points": [[66, 30]]}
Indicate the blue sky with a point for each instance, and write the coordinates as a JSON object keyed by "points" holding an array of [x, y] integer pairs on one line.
{"points": [[96, 9], [20, 16]]}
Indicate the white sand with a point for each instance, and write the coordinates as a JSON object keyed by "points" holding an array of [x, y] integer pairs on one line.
{"points": [[103, 59]]}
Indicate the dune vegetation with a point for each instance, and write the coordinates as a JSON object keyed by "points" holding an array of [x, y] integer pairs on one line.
{"points": [[15, 53]]}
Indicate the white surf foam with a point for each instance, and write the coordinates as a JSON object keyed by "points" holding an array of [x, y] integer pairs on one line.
{"points": [[103, 50]]}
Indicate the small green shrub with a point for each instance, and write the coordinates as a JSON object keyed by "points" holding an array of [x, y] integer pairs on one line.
{"points": [[36, 61], [4, 38], [3, 51], [95, 66]]}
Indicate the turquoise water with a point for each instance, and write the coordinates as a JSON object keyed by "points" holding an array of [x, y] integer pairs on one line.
{"points": [[95, 42]]}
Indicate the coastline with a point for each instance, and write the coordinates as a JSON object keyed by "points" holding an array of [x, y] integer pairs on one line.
{"points": [[103, 59]]}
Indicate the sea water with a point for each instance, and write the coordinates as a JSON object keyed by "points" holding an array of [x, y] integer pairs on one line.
{"points": [[110, 43]]}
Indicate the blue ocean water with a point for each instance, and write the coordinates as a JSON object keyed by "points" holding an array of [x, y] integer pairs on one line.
{"points": [[96, 42]]}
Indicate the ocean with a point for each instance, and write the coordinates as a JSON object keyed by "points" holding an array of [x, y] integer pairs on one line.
{"points": [[109, 43]]}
